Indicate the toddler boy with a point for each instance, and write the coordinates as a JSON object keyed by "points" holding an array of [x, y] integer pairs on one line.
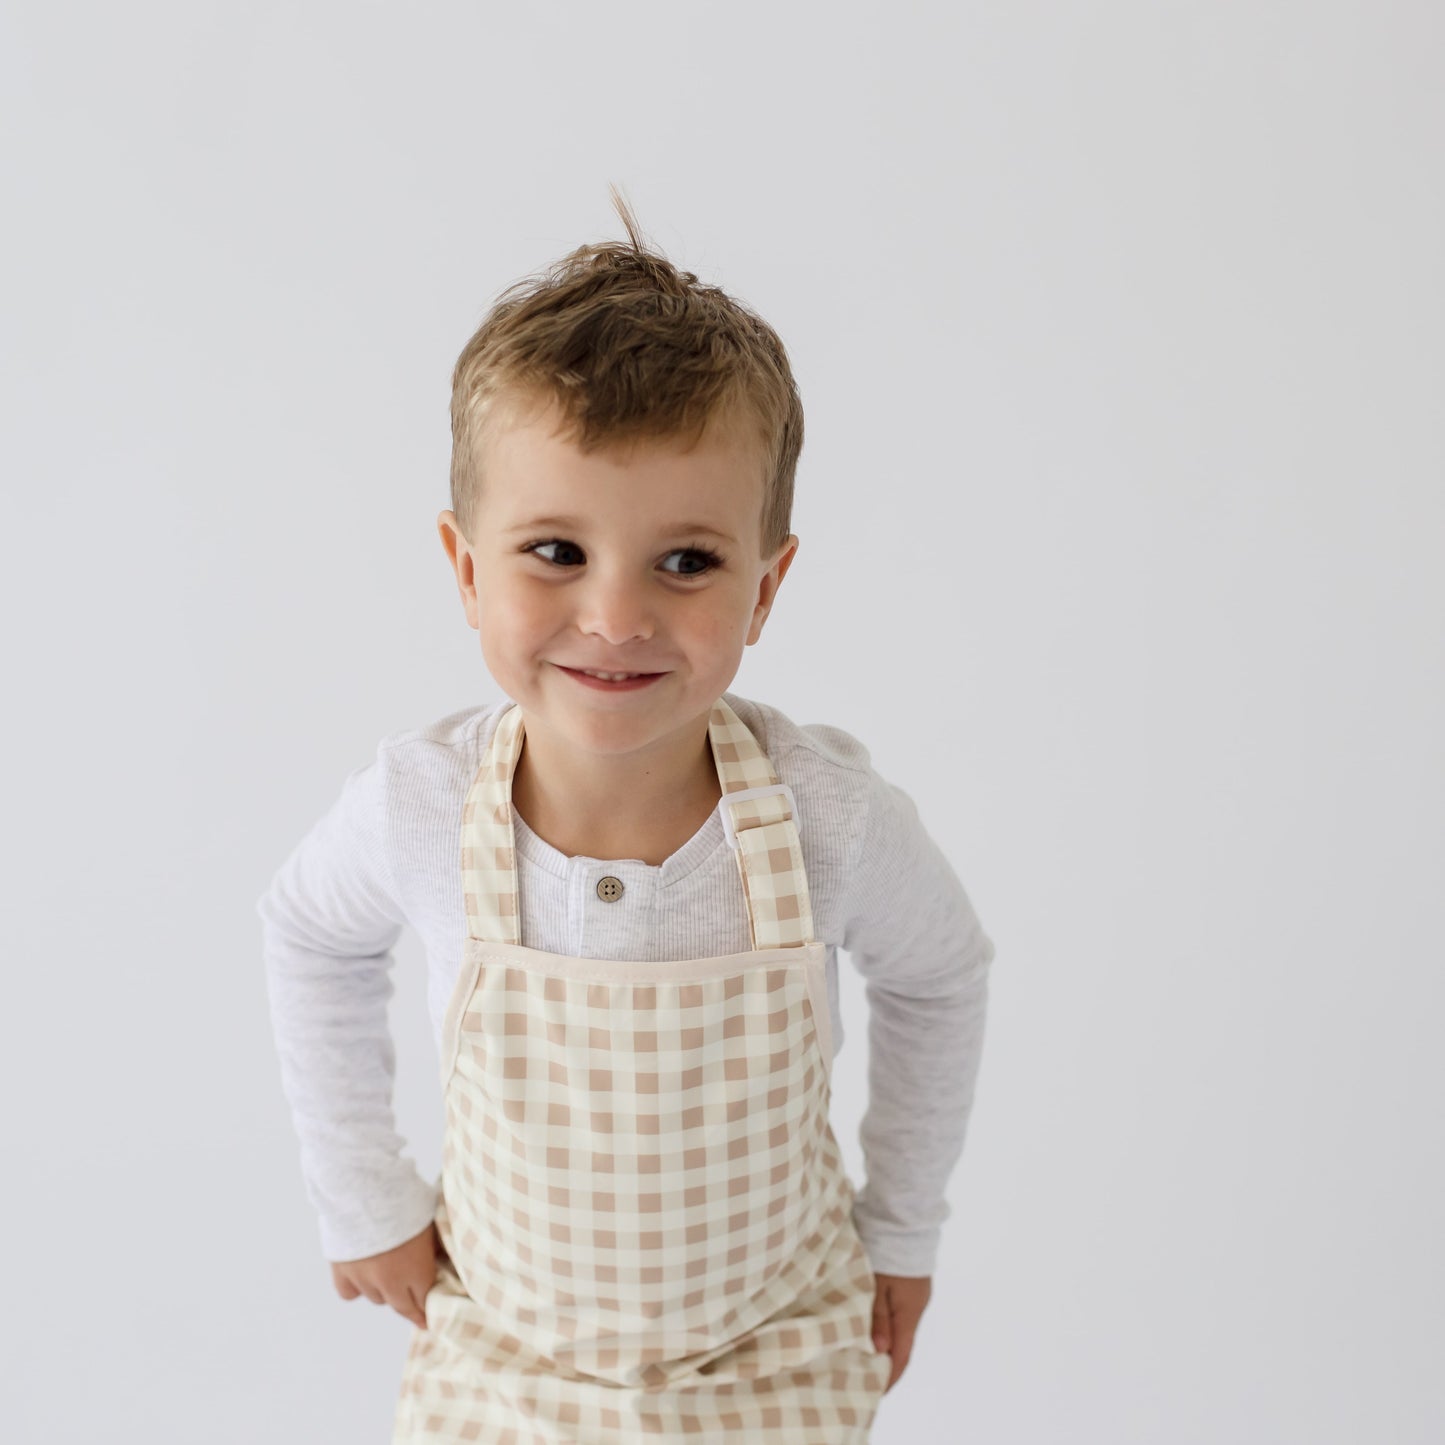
{"points": [[625, 442]]}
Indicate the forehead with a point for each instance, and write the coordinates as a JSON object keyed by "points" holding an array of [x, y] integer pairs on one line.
{"points": [[532, 469]]}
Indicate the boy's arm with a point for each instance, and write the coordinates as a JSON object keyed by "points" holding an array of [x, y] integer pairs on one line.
{"points": [[330, 918], [913, 935]]}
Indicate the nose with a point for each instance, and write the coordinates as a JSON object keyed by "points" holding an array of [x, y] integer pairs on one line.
{"points": [[616, 608]]}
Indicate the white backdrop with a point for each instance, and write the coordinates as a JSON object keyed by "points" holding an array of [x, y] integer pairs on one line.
{"points": [[1119, 328]]}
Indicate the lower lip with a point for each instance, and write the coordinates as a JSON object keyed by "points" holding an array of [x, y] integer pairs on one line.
{"points": [[631, 684]]}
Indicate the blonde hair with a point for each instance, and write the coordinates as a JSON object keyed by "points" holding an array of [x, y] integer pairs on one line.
{"points": [[628, 348]]}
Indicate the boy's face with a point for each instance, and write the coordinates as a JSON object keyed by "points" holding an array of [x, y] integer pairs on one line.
{"points": [[601, 562]]}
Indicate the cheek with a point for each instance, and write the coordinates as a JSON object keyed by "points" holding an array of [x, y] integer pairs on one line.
{"points": [[720, 628], [517, 616]]}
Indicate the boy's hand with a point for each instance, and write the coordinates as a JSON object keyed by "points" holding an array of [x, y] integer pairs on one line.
{"points": [[898, 1301], [397, 1277]]}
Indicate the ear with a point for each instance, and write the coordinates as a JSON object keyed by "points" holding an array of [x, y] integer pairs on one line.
{"points": [[768, 586], [459, 555]]}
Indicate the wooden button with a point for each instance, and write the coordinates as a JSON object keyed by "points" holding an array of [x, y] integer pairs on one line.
{"points": [[609, 888]]}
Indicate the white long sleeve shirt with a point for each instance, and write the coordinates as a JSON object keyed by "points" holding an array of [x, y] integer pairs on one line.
{"points": [[387, 855]]}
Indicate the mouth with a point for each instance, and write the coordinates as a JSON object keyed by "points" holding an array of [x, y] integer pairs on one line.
{"points": [[611, 681]]}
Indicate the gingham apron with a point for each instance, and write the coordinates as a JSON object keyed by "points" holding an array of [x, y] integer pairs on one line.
{"points": [[646, 1216]]}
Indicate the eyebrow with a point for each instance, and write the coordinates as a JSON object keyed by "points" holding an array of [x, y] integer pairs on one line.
{"points": [[578, 523]]}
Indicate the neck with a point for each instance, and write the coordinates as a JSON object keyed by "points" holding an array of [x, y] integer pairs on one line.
{"points": [[630, 805]]}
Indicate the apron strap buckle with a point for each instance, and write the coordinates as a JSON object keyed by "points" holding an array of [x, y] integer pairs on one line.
{"points": [[727, 799]]}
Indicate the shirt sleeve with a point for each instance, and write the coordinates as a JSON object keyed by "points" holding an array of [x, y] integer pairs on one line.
{"points": [[914, 937], [330, 919]]}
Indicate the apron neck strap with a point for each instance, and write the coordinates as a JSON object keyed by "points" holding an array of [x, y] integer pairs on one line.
{"points": [[761, 823], [757, 812]]}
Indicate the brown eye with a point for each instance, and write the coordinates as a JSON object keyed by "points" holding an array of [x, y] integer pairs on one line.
{"points": [[553, 542], [708, 559]]}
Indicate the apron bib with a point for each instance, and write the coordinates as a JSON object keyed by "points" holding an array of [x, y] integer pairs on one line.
{"points": [[647, 1222]]}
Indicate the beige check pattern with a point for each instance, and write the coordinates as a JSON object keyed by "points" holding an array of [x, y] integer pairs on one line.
{"points": [[646, 1216], [769, 858]]}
